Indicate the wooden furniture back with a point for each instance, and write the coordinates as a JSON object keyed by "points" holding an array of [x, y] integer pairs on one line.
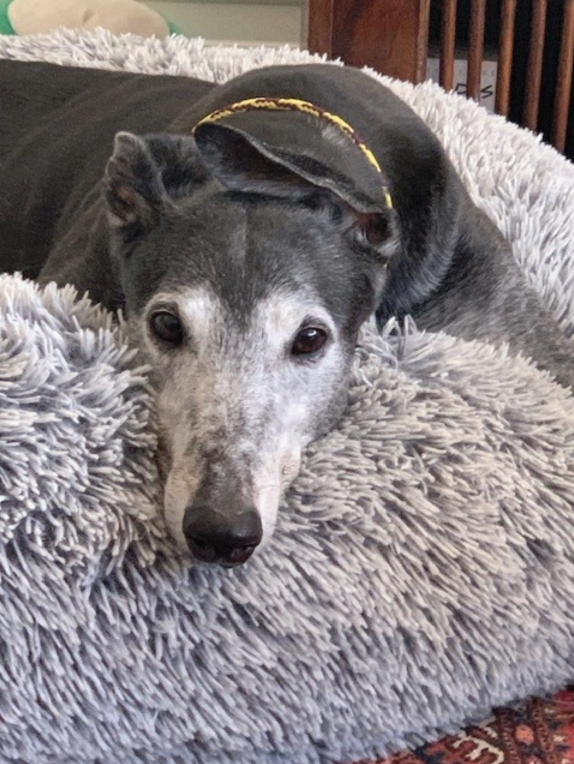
{"points": [[392, 36]]}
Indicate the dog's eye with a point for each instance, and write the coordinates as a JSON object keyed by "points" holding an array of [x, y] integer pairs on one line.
{"points": [[166, 327], [308, 341]]}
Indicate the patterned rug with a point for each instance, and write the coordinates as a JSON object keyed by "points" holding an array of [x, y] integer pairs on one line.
{"points": [[534, 732]]}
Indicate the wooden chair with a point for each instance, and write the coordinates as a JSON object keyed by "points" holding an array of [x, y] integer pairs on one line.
{"points": [[392, 36]]}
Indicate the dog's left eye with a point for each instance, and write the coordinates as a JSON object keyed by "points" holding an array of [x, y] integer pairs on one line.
{"points": [[166, 327], [308, 341]]}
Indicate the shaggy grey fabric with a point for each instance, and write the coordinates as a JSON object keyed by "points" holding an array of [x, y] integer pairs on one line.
{"points": [[422, 569]]}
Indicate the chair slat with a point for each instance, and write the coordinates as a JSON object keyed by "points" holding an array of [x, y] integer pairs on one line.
{"points": [[564, 79], [534, 67], [422, 42], [506, 47], [447, 44], [475, 49], [320, 26]]}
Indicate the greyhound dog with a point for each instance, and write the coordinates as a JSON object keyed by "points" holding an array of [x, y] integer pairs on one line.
{"points": [[248, 230]]}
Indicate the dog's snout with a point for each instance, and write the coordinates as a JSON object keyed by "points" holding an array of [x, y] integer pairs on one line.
{"points": [[226, 541]]}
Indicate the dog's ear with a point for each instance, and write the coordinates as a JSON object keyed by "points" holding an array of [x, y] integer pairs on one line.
{"points": [[145, 173], [243, 162], [133, 187]]}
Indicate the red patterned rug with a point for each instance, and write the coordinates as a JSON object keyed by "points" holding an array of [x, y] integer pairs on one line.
{"points": [[534, 732]]}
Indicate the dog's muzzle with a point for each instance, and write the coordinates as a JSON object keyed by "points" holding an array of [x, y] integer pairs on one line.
{"points": [[214, 537]]}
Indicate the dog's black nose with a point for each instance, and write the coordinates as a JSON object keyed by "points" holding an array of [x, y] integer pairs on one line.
{"points": [[212, 537]]}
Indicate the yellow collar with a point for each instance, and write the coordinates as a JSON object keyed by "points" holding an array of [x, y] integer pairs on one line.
{"points": [[295, 104]]}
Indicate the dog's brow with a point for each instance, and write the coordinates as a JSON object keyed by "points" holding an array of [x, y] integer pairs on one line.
{"points": [[283, 313], [198, 306]]}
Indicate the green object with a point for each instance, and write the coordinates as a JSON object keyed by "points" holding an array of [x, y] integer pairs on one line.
{"points": [[173, 28], [5, 25]]}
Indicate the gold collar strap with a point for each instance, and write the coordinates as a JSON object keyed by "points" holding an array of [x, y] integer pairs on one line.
{"points": [[295, 104]]}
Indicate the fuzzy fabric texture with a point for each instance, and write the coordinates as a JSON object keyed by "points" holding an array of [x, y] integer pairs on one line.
{"points": [[422, 569]]}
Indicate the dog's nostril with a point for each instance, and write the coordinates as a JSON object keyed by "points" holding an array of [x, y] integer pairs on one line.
{"points": [[228, 541], [201, 550], [199, 542]]}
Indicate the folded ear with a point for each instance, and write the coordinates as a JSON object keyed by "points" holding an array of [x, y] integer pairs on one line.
{"points": [[133, 187], [245, 163], [144, 174]]}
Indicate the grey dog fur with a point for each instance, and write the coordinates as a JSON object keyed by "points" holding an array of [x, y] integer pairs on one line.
{"points": [[434, 571], [270, 221], [450, 268]]}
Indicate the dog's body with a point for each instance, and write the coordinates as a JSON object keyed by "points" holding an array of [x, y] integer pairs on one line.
{"points": [[247, 256]]}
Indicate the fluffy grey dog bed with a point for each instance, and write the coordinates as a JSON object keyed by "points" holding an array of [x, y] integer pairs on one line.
{"points": [[422, 570]]}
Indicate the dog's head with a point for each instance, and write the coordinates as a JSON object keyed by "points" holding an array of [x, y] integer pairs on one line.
{"points": [[247, 272]]}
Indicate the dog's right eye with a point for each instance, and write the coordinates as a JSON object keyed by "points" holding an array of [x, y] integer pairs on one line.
{"points": [[166, 327]]}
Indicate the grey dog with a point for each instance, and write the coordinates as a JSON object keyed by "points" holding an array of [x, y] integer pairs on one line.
{"points": [[248, 230]]}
